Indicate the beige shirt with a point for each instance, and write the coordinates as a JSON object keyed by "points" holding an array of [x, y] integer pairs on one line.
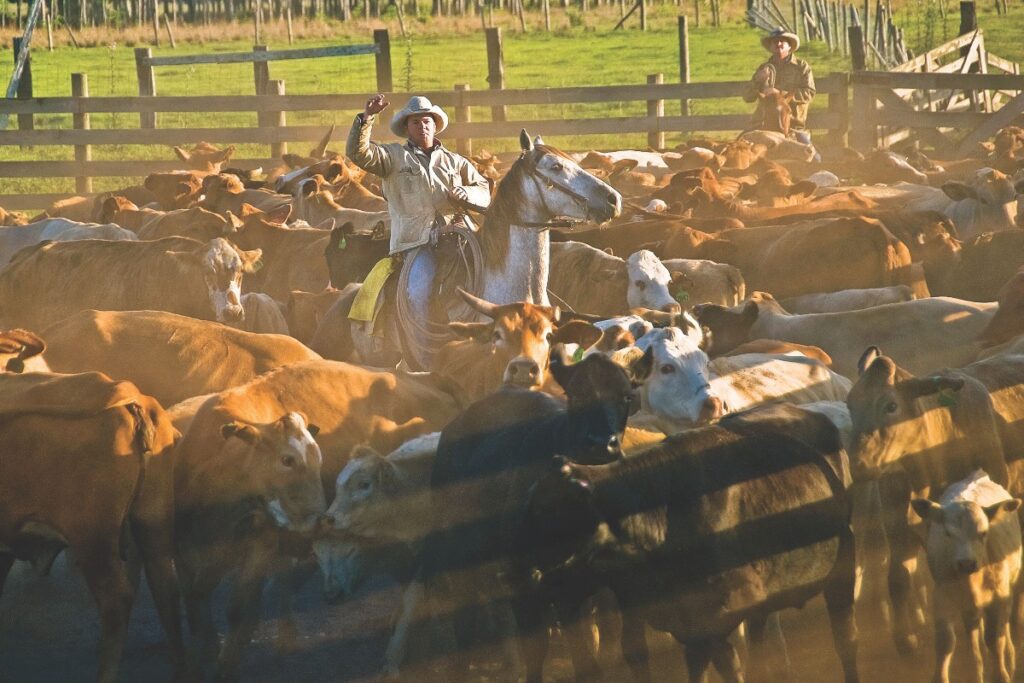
{"points": [[793, 76], [416, 189]]}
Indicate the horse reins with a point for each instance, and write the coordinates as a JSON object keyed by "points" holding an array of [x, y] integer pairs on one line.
{"points": [[537, 177]]}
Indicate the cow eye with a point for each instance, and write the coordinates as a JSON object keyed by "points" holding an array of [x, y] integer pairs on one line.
{"points": [[496, 336], [551, 337], [288, 460], [641, 285], [667, 369], [364, 485], [891, 407]]}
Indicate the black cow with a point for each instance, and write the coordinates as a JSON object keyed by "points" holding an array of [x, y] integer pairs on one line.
{"points": [[350, 254], [713, 527], [487, 460]]}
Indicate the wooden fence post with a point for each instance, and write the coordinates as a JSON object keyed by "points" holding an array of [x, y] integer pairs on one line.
{"points": [[147, 83], [463, 143], [260, 71], [684, 62], [857, 56], [839, 104], [495, 69], [25, 121], [863, 132], [382, 40], [968, 22], [655, 110], [643, 14], [80, 88], [276, 119]]}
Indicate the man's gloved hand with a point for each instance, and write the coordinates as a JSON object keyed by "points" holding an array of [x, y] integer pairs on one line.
{"points": [[458, 192]]}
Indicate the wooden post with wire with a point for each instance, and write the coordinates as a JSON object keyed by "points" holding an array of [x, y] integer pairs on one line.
{"points": [[463, 144], [495, 69], [49, 26], [170, 33], [288, 19], [382, 39], [655, 110], [156, 23], [80, 88], [147, 83], [684, 62]]}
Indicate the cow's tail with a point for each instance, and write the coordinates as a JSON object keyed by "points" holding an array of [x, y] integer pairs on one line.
{"points": [[143, 439]]}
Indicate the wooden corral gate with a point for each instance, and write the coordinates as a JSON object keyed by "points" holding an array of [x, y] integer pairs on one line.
{"points": [[972, 95], [274, 131]]}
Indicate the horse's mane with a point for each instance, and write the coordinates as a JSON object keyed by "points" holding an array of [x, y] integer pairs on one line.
{"points": [[508, 198]]}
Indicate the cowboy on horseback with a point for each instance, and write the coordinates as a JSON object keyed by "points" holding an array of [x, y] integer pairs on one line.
{"points": [[428, 189], [785, 74]]}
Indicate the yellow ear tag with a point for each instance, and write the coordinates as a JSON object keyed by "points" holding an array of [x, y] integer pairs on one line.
{"points": [[578, 356], [343, 243]]}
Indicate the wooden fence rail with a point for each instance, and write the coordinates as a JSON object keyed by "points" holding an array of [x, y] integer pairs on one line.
{"points": [[459, 101]]}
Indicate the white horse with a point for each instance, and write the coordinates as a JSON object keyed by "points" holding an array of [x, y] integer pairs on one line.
{"points": [[544, 188]]}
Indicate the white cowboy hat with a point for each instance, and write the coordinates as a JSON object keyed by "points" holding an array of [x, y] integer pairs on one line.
{"points": [[792, 38], [417, 105]]}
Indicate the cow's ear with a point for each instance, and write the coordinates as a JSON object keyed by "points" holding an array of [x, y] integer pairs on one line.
{"points": [[313, 430], [226, 153], [332, 171], [251, 260], [640, 368], [958, 191], [576, 332], [804, 187], [750, 312], [245, 432], [881, 371], [920, 387], [380, 231], [234, 223], [279, 215], [182, 154], [248, 210], [624, 166], [479, 332], [308, 187], [558, 364], [999, 510], [867, 358], [681, 280], [927, 510]]}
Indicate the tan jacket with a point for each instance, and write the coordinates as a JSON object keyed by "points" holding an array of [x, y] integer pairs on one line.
{"points": [[416, 197], [791, 76]]}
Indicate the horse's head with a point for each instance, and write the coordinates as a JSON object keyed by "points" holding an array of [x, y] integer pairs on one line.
{"points": [[774, 112], [549, 185]]}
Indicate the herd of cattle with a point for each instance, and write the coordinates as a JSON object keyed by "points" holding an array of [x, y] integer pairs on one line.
{"points": [[761, 362]]}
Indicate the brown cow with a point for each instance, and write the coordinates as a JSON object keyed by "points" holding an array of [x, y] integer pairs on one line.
{"points": [[54, 280], [817, 256], [1007, 323], [305, 310], [87, 461], [170, 357], [225, 192], [12, 217], [315, 203], [511, 348], [293, 258], [705, 205], [204, 157], [175, 190]]}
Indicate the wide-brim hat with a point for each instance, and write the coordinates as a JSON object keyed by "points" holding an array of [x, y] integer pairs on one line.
{"points": [[417, 105], [792, 38]]}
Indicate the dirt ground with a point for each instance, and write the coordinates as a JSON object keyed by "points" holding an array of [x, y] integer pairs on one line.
{"points": [[48, 631]]}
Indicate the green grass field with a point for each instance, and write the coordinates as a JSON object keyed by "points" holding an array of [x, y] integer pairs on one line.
{"points": [[588, 53]]}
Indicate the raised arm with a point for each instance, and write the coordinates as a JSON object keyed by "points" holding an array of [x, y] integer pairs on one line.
{"points": [[363, 152]]}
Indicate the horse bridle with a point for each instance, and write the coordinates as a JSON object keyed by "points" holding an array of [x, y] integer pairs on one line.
{"points": [[540, 180]]}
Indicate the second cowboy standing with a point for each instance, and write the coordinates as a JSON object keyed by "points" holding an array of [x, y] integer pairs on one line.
{"points": [[787, 73], [423, 182]]}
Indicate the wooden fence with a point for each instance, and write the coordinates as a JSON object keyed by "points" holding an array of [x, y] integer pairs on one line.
{"points": [[274, 132]]}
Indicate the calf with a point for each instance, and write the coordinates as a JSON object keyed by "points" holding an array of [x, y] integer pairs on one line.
{"points": [[712, 527], [47, 283], [511, 348], [974, 555]]}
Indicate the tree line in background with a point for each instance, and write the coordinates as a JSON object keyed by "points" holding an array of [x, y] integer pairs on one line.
{"points": [[81, 13]]}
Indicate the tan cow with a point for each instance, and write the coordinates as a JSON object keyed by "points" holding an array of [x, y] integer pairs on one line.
{"points": [[932, 431], [16, 238], [511, 348], [224, 192], [847, 299], [305, 310], [50, 282], [205, 157], [174, 190], [153, 224], [170, 357], [924, 334], [86, 461], [12, 217], [243, 486], [974, 553]]}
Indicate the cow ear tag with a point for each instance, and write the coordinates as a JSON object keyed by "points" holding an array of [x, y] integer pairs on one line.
{"points": [[947, 398], [342, 243], [578, 355], [681, 295], [257, 265]]}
